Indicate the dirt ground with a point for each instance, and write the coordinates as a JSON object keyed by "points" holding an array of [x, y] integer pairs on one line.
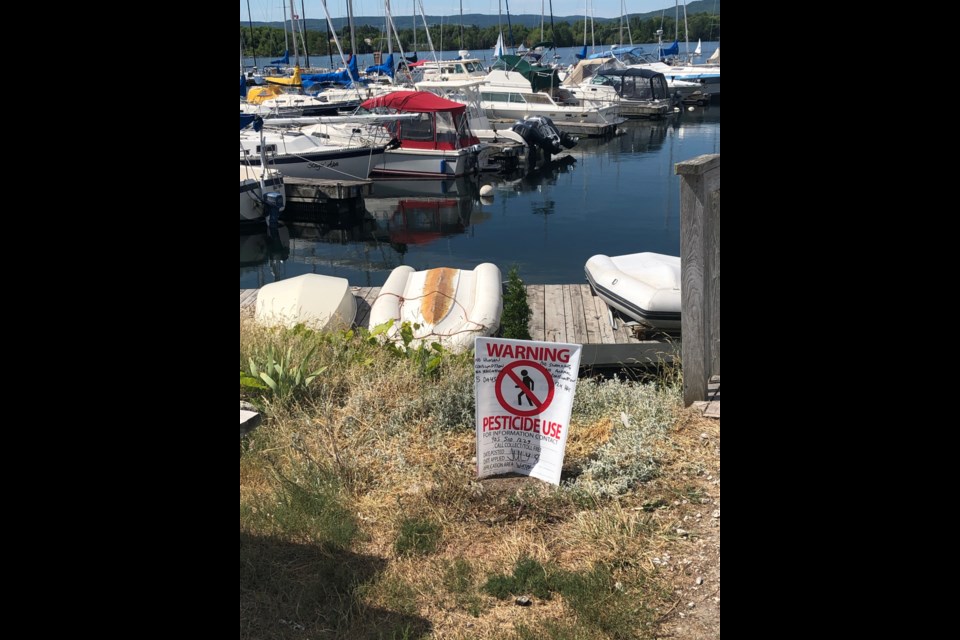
{"points": [[694, 557]]}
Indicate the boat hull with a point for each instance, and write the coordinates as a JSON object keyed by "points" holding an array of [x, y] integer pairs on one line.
{"points": [[338, 164], [432, 163]]}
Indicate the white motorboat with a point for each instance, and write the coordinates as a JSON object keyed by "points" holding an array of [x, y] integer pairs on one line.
{"points": [[640, 93], [301, 155], [438, 143], [515, 89], [642, 286], [449, 306]]}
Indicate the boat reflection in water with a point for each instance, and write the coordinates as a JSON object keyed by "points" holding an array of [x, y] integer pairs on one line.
{"points": [[417, 212], [547, 174], [398, 224], [263, 250]]}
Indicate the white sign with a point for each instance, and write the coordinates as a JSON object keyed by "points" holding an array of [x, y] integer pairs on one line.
{"points": [[524, 392]]}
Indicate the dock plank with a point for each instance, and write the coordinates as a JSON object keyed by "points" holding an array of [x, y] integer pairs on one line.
{"points": [[590, 314], [535, 298], [250, 299], [603, 318], [568, 314], [554, 323], [579, 318]]}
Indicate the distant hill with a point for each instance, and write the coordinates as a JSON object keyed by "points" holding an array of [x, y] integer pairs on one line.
{"points": [[404, 22], [482, 21], [698, 6]]}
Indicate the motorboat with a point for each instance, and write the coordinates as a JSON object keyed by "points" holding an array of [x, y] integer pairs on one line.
{"points": [[322, 303], [301, 155], [438, 143], [445, 305], [515, 89], [641, 93], [642, 286]]}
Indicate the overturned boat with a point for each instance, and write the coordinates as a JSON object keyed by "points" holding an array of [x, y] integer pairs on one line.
{"points": [[642, 286], [322, 303], [449, 306]]}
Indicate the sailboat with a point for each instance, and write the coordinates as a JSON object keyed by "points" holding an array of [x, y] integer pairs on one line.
{"points": [[698, 51], [499, 49]]}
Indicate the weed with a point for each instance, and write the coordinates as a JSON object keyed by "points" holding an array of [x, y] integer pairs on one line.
{"points": [[514, 322], [417, 537], [529, 576]]}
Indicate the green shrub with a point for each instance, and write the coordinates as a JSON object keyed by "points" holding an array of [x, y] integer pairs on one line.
{"points": [[516, 312]]}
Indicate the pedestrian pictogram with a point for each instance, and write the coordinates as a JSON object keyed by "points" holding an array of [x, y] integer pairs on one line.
{"points": [[524, 383]]}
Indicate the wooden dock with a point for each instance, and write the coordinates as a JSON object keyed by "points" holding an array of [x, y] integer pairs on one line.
{"points": [[315, 191], [560, 313]]}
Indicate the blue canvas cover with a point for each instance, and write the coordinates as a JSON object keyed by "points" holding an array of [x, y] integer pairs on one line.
{"points": [[387, 68], [672, 50]]}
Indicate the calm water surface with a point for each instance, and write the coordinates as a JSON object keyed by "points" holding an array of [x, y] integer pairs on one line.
{"points": [[612, 196]]}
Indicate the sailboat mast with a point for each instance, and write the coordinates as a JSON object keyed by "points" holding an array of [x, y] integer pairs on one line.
{"points": [[303, 32], [286, 42], [353, 37], [414, 26], [326, 31], [629, 33], [585, 22], [250, 24], [593, 36], [553, 36], [620, 38], [461, 24], [676, 19], [686, 31], [541, 22], [293, 29], [389, 17], [509, 27]]}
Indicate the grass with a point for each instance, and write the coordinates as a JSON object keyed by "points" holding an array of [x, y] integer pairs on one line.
{"points": [[417, 537], [361, 515]]}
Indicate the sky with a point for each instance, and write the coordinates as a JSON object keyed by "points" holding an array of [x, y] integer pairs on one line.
{"points": [[271, 11]]}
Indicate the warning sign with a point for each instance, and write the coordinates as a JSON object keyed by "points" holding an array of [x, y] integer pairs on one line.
{"points": [[524, 393]]}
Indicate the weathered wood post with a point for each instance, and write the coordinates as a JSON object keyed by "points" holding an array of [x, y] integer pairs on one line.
{"points": [[700, 266]]}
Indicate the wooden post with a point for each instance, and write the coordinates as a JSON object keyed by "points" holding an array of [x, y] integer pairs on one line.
{"points": [[700, 266]]}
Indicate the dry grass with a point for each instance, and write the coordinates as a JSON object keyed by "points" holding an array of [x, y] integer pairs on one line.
{"points": [[381, 444]]}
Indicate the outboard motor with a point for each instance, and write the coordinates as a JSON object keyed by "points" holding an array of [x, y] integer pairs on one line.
{"points": [[272, 204], [547, 128]]}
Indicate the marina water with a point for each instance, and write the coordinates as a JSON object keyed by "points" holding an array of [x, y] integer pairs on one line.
{"points": [[614, 196]]}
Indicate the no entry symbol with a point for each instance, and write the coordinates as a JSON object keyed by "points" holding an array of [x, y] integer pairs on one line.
{"points": [[525, 383]]}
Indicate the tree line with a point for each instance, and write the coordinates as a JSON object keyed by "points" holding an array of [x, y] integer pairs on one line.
{"points": [[269, 41]]}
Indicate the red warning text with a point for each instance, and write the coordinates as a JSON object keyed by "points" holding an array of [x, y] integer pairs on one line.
{"points": [[499, 350], [517, 423]]}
